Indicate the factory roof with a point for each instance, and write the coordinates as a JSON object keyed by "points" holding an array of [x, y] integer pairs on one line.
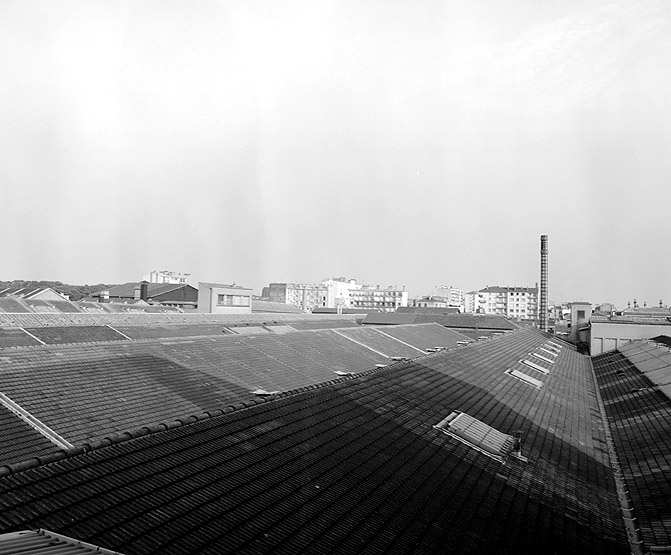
{"points": [[419, 456]]}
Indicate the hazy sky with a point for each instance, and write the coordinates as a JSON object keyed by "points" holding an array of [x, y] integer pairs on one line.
{"points": [[396, 143]]}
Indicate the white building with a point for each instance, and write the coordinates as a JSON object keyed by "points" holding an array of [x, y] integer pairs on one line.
{"points": [[338, 293], [165, 276], [217, 298], [454, 297], [520, 303]]}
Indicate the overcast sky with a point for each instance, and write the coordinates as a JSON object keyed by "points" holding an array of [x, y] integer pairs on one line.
{"points": [[396, 143]]}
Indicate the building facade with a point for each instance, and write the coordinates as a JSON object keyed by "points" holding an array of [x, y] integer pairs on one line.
{"points": [[217, 298], [305, 296], [337, 293], [520, 303], [165, 276]]}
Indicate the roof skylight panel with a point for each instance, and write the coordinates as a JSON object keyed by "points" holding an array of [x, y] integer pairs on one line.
{"points": [[477, 435], [548, 360], [525, 378], [535, 366], [548, 351]]}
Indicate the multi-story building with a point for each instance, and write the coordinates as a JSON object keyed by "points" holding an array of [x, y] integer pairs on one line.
{"points": [[453, 296], [165, 276], [305, 296], [338, 293], [368, 297], [520, 303]]}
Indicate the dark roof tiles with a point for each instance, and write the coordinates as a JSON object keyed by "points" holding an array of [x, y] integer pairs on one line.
{"points": [[353, 466]]}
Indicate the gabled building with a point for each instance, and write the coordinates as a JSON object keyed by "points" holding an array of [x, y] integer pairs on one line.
{"points": [[167, 294]]}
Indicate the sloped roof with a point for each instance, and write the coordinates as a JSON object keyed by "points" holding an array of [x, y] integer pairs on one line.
{"points": [[273, 307], [630, 319], [24, 292], [473, 321], [352, 466], [127, 290], [116, 384], [639, 415], [662, 339], [43, 542]]}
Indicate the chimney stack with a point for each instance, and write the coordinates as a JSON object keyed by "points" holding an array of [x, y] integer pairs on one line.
{"points": [[543, 308]]}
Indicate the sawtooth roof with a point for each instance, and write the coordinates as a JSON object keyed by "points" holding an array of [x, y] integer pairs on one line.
{"points": [[350, 466]]}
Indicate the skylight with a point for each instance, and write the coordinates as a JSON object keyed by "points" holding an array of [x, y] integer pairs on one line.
{"points": [[263, 392], [525, 378], [549, 361], [548, 351], [477, 434], [551, 344], [535, 366]]}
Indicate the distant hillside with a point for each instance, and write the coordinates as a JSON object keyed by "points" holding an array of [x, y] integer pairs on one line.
{"points": [[75, 292]]}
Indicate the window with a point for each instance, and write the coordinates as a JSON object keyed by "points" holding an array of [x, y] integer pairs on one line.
{"points": [[535, 366], [477, 434], [233, 300], [525, 378]]}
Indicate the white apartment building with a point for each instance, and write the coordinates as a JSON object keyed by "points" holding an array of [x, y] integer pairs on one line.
{"points": [[339, 293], [520, 303], [165, 276], [454, 297]]}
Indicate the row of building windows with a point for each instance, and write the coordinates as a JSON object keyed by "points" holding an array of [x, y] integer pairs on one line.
{"points": [[233, 300]]}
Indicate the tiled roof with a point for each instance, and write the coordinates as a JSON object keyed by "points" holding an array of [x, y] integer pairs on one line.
{"points": [[662, 340], [474, 321], [425, 336], [145, 318], [43, 542], [639, 415], [354, 466], [272, 307], [127, 290], [114, 386], [20, 441], [631, 319]]}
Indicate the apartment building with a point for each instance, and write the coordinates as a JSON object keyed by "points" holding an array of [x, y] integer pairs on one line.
{"points": [[520, 303]]}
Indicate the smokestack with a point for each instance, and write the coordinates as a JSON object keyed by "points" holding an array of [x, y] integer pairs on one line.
{"points": [[144, 288], [543, 309]]}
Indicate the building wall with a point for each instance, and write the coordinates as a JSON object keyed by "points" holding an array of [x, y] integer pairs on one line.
{"points": [[224, 299], [511, 302], [580, 316], [165, 276], [608, 336], [383, 300]]}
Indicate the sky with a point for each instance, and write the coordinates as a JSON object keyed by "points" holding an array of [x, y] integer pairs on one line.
{"points": [[396, 143]]}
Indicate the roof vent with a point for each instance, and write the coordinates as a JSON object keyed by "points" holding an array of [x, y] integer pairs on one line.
{"points": [[341, 373], [264, 393], [477, 435], [397, 359]]}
